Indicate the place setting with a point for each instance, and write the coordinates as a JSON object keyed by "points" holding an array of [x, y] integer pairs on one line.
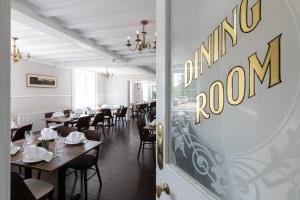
{"points": [[75, 138], [34, 155]]}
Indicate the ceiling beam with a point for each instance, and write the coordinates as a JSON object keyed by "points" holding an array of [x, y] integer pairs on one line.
{"points": [[104, 19], [129, 30], [62, 7], [104, 63], [26, 13]]}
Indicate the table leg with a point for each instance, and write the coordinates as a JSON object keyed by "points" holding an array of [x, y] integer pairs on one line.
{"points": [[61, 184], [28, 172]]}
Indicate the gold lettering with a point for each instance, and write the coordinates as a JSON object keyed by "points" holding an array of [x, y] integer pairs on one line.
{"points": [[220, 91], [241, 85], [271, 60], [256, 16], [188, 69], [216, 44], [206, 53], [231, 30], [200, 109], [196, 57]]}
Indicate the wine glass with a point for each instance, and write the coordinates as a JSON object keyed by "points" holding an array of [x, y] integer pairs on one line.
{"points": [[29, 137]]}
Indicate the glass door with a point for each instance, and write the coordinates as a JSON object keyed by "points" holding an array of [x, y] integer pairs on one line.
{"points": [[227, 85]]}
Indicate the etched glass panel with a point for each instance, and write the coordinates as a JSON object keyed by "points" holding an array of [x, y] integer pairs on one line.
{"points": [[234, 122]]}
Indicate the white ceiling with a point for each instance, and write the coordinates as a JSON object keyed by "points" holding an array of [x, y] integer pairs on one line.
{"points": [[84, 33]]}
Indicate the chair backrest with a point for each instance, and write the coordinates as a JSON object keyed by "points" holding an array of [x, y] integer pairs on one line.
{"points": [[142, 108], [98, 118], [106, 111], [95, 136], [67, 112], [20, 133], [141, 123], [151, 115], [64, 131], [83, 123], [124, 111], [119, 110], [153, 105], [18, 189], [49, 114], [92, 135]]}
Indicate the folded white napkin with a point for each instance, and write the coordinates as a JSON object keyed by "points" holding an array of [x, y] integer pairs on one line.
{"points": [[75, 138], [75, 115], [58, 114], [91, 112], [48, 134], [33, 153], [13, 149]]}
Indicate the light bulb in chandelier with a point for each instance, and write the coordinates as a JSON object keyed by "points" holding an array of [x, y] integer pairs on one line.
{"points": [[141, 42]]}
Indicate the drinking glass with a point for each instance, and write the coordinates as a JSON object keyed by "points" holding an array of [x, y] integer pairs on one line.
{"points": [[58, 145], [29, 137]]}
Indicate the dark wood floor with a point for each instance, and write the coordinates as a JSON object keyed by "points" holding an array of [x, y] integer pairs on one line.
{"points": [[124, 178]]}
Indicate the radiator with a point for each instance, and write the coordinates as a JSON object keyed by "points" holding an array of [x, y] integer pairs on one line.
{"points": [[35, 118]]}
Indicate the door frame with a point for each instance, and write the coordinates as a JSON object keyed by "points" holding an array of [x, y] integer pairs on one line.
{"points": [[176, 177], [5, 99]]}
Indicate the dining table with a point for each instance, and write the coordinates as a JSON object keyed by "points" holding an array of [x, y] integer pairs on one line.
{"points": [[60, 120], [57, 164]]}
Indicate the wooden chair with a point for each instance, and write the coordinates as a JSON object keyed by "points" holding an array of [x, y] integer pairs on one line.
{"points": [[83, 123], [107, 115], [87, 161], [142, 109], [30, 189], [67, 112], [121, 115], [99, 122], [152, 106], [48, 115], [20, 133], [64, 131], [51, 124], [145, 136], [151, 115]]}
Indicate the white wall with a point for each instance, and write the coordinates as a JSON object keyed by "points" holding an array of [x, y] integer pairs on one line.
{"points": [[100, 89], [25, 100], [116, 88], [5, 99]]}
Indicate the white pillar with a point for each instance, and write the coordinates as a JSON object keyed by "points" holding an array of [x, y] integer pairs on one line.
{"points": [[4, 99]]}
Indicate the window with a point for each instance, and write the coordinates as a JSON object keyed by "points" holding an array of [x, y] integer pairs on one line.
{"points": [[149, 91], [84, 89]]}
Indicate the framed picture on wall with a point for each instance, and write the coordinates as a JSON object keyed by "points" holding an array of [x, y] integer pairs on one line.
{"points": [[41, 81]]}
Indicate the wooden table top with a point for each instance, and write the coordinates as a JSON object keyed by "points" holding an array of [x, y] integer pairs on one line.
{"points": [[59, 119], [69, 153]]}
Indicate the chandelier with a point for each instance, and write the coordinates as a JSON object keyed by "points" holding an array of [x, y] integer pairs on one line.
{"points": [[107, 74], [16, 55], [140, 41]]}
